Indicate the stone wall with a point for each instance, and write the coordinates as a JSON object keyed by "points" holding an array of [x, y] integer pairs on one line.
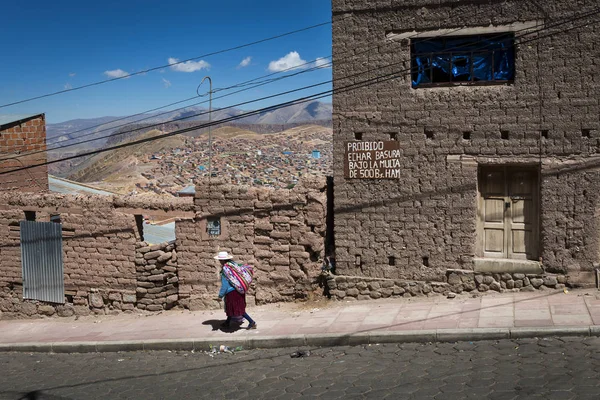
{"points": [[280, 232], [457, 281], [157, 281], [424, 223], [18, 139]]}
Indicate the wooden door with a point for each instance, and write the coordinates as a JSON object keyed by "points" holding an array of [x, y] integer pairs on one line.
{"points": [[508, 213]]}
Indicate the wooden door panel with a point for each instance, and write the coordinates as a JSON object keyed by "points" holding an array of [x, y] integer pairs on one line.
{"points": [[494, 210], [494, 241]]}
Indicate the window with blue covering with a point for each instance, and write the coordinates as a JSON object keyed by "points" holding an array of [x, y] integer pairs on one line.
{"points": [[463, 60]]}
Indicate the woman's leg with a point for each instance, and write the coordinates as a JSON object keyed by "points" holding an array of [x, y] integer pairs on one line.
{"points": [[251, 322]]}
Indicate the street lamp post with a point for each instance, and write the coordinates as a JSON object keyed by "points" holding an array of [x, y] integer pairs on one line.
{"points": [[209, 123]]}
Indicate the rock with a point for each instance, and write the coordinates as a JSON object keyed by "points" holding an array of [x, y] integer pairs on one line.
{"points": [[81, 310], [352, 292], [375, 294], [46, 310], [115, 297], [505, 276], [483, 287], [374, 285], [451, 295], [153, 254], [510, 284], [495, 286], [550, 281], [387, 284], [536, 282], [488, 279], [561, 279], [518, 276], [164, 257], [95, 300], [526, 282], [129, 298], [479, 279], [527, 289], [363, 297], [427, 288], [469, 286], [172, 299], [65, 310], [154, 307], [340, 294], [398, 291], [453, 279]]}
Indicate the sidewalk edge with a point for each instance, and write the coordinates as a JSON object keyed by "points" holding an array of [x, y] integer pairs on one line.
{"points": [[300, 340]]}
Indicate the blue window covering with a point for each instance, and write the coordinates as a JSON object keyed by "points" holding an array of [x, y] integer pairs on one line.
{"points": [[463, 60]]}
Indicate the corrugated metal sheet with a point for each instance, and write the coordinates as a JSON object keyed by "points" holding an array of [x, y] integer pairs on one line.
{"points": [[42, 262]]}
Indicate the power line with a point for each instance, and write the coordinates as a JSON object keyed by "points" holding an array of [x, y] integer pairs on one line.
{"points": [[583, 15], [301, 100], [242, 84], [167, 65]]}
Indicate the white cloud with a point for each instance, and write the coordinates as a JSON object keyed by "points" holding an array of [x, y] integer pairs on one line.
{"points": [[68, 86], [188, 66], [72, 74], [166, 82], [116, 73], [245, 62], [322, 62], [291, 60]]}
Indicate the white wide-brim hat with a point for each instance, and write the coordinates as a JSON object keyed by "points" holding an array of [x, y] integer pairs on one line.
{"points": [[223, 255]]}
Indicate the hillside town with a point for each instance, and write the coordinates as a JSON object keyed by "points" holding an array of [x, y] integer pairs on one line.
{"points": [[274, 160]]}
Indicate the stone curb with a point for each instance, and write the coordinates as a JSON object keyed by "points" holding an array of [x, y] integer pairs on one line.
{"points": [[313, 340]]}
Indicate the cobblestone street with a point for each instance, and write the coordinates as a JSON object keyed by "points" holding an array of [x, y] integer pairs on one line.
{"points": [[566, 368]]}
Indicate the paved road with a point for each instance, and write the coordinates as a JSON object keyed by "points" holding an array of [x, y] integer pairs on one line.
{"points": [[567, 368]]}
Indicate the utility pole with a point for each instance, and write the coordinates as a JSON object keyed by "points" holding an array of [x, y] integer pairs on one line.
{"points": [[209, 122]]}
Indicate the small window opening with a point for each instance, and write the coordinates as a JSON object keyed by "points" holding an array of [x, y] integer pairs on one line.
{"points": [[55, 218], [30, 215], [139, 223], [393, 136], [466, 135], [213, 226], [429, 134], [426, 261], [357, 260], [586, 133], [392, 260], [504, 135], [545, 133], [358, 136]]}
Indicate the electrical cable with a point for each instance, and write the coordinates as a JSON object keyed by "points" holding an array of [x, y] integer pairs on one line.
{"points": [[312, 97], [286, 104], [167, 65]]}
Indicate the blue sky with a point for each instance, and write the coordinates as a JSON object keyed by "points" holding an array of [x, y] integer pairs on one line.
{"points": [[61, 44]]}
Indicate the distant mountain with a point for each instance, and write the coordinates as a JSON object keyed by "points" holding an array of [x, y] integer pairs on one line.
{"points": [[76, 130]]}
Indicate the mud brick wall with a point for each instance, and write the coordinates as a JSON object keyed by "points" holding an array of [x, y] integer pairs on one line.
{"points": [[426, 220], [157, 285], [100, 249], [280, 232], [28, 135]]}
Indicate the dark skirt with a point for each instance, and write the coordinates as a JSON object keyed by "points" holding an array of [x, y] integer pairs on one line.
{"points": [[235, 304]]}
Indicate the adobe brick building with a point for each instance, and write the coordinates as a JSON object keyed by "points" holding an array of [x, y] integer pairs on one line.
{"points": [[482, 152], [19, 135]]}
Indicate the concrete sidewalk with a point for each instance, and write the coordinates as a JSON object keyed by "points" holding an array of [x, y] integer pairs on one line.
{"points": [[325, 323]]}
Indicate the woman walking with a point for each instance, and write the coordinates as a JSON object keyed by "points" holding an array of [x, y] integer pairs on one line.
{"points": [[235, 302]]}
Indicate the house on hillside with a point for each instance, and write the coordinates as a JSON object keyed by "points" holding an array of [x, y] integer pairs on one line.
{"points": [[478, 146], [22, 144]]}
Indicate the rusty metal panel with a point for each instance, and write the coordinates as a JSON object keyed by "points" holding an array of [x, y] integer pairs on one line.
{"points": [[42, 261], [372, 159]]}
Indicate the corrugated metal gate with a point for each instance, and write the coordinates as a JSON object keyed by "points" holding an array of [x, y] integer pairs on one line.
{"points": [[42, 261]]}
